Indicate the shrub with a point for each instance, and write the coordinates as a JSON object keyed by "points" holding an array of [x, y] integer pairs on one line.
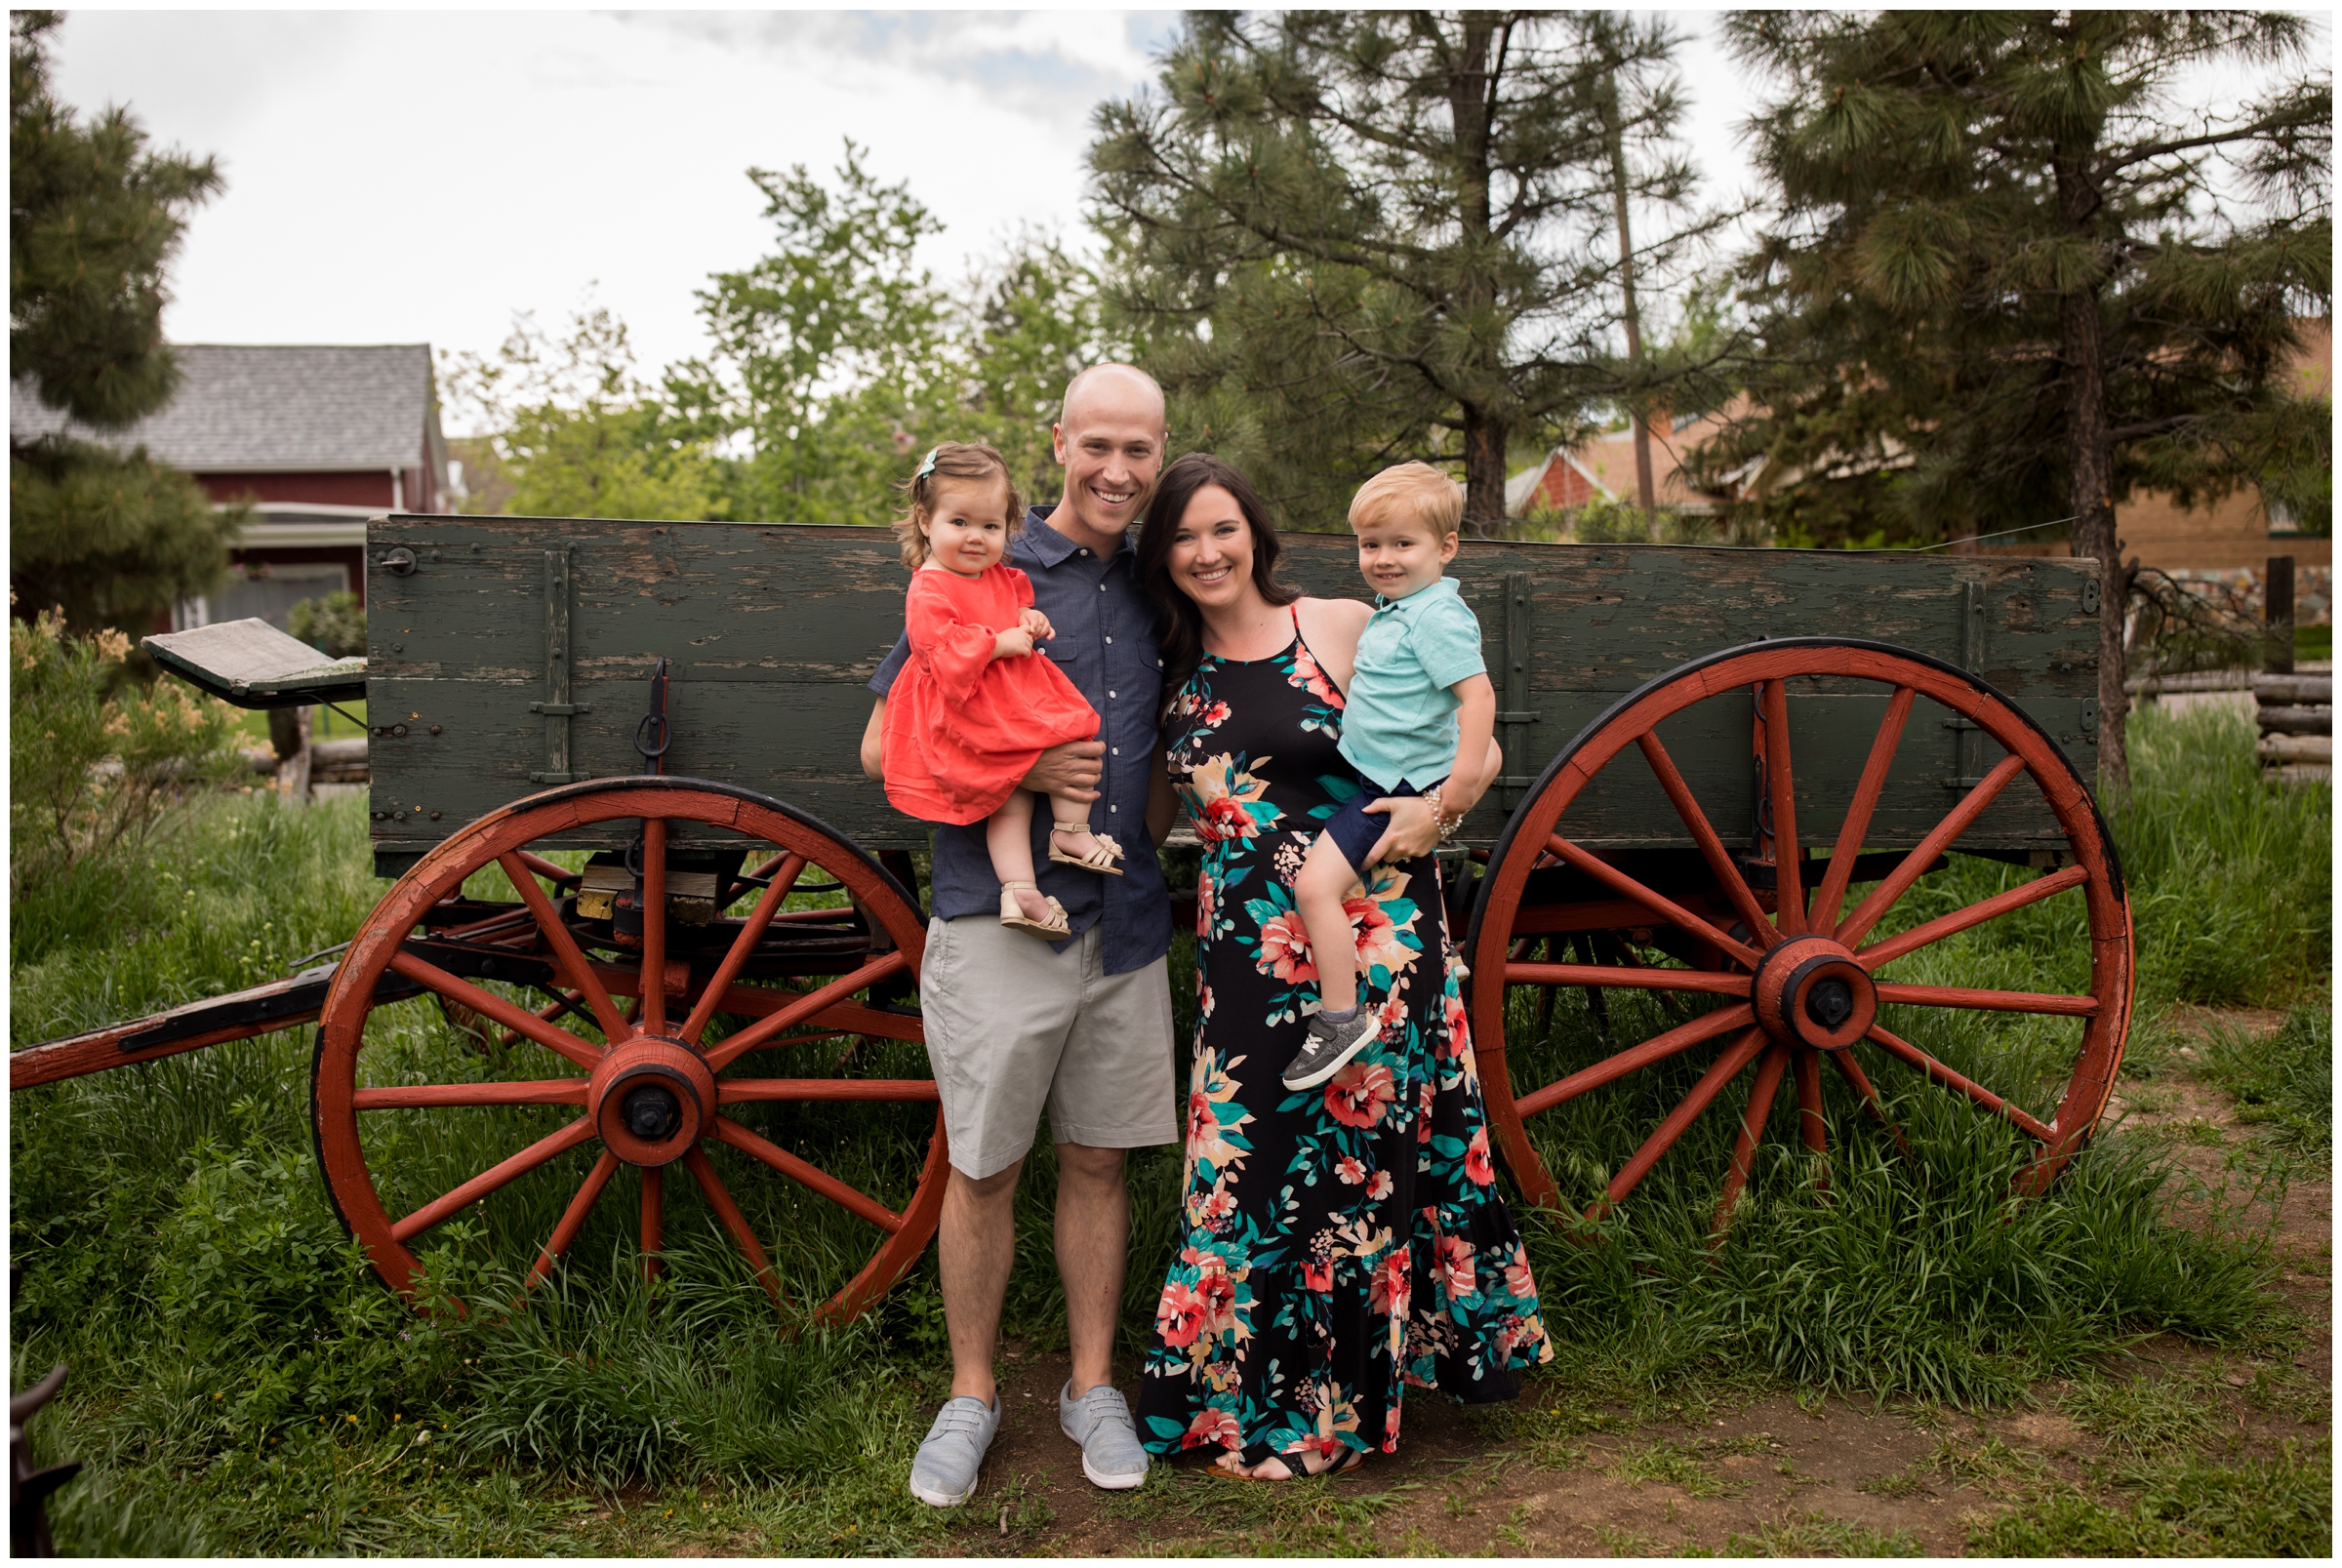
{"points": [[335, 625], [94, 759], [1613, 522]]}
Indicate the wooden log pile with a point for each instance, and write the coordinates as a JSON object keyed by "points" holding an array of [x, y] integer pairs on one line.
{"points": [[2297, 724], [2296, 711]]}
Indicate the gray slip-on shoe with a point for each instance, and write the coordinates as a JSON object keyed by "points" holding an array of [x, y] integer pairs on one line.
{"points": [[943, 1472], [1100, 1421]]}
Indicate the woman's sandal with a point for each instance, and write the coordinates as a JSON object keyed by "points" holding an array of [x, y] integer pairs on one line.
{"points": [[1106, 858], [1012, 915]]}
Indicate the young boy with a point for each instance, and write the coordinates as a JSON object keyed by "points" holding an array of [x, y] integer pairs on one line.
{"points": [[1419, 704]]}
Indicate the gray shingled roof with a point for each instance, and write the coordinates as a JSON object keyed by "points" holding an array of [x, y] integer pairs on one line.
{"points": [[270, 406]]}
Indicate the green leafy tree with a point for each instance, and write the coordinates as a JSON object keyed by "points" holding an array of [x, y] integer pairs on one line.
{"points": [[95, 222], [1345, 238], [2010, 281], [829, 353], [1032, 322], [572, 433]]}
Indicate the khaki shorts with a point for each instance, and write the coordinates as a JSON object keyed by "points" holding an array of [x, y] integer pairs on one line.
{"points": [[1013, 1026]]}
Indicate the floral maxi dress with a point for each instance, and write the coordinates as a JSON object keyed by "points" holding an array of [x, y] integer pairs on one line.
{"points": [[1341, 1242]]}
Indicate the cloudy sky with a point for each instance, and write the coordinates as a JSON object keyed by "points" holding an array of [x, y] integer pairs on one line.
{"points": [[421, 176]]}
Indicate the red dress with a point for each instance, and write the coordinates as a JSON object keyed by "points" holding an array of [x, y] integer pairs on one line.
{"points": [[962, 727]]}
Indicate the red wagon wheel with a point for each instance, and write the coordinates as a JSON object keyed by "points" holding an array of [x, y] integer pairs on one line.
{"points": [[621, 1068], [1780, 947]]}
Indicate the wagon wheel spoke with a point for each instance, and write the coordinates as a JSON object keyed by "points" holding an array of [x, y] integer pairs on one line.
{"points": [[1736, 1056], [726, 1051], [1666, 908], [1658, 1048], [1872, 1107], [493, 925], [1810, 1126], [1704, 980], [1702, 832], [559, 876], [654, 1218], [1873, 784], [1752, 1128], [752, 933], [2030, 1126], [1886, 952], [431, 978], [1882, 898], [417, 1095], [1789, 890], [694, 1160], [892, 1091], [654, 925], [811, 1177], [1990, 1001], [496, 1176], [566, 952], [573, 1218]]}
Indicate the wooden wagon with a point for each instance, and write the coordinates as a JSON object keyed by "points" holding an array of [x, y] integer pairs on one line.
{"points": [[1723, 770]]}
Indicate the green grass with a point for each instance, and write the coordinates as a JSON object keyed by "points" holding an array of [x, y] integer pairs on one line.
{"points": [[2281, 1506], [2285, 1082], [242, 1383]]}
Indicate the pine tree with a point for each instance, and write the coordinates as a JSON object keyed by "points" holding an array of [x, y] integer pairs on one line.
{"points": [[2006, 265], [95, 221], [1345, 239]]}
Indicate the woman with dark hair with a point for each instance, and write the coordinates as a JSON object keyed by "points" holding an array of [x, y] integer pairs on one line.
{"points": [[1338, 1243]]}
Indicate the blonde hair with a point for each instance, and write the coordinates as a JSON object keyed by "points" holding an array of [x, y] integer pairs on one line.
{"points": [[950, 460], [1415, 492]]}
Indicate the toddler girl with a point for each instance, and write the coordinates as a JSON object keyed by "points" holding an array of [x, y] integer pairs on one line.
{"points": [[972, 709]]}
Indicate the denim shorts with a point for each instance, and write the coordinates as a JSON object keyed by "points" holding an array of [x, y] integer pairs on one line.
{"points": [[1356, 831]]}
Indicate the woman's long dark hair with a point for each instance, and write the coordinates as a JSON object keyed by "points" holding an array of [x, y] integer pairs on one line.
{"points": [[1178, 622]]}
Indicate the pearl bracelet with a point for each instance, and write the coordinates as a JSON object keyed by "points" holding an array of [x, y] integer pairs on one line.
{"points": [[1447, 824]]}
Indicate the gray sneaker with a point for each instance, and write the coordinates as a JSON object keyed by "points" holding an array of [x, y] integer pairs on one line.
{"points": [[943, 1474], [1329, 1046], [1100, 1421]]}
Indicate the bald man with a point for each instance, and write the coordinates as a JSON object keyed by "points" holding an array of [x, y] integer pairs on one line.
{"points": [[1082, 1026]]}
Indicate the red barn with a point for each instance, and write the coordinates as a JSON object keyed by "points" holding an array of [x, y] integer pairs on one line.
{"points": [[319, 437]]}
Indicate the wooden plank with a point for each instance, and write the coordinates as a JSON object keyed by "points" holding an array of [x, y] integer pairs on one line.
{"points": [[773, 630]]}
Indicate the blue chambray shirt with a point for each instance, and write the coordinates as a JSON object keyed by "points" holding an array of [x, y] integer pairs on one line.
{"points": [[1105, 645]]}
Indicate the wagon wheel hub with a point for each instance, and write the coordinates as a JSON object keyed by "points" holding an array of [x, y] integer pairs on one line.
{"points": [[651, 1098], [1809, 992]]}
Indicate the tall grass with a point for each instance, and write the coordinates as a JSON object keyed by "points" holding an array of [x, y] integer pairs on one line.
{"points": [[242, 1383]]}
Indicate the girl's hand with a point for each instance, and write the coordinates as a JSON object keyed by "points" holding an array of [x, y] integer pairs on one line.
{"points": [[1014, 643], [1038, 624], [1413, 828]]}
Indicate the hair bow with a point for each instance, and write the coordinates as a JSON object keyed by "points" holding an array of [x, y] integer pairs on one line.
{"points": [[927, 463]]}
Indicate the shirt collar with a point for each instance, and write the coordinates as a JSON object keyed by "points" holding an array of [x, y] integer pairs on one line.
{"points": [[1419, 599], [1049, 547]]}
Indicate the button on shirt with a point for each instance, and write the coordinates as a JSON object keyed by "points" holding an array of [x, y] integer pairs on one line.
{"points": [[1105, 644], [1399, 725]]}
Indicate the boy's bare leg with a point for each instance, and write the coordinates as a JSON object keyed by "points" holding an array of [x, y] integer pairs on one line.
{"points": [[1325, 876], [1008, 837], [1072, 809]]}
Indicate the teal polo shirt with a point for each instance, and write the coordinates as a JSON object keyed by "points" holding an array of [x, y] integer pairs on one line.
{"points": [[1399, 725]]}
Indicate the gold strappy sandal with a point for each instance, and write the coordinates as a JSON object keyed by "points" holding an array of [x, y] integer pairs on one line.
{"points": [[1014, 917], [1106, 858]]}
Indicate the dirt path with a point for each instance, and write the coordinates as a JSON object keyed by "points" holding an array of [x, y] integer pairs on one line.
{"points": [[1775, 1478]]}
